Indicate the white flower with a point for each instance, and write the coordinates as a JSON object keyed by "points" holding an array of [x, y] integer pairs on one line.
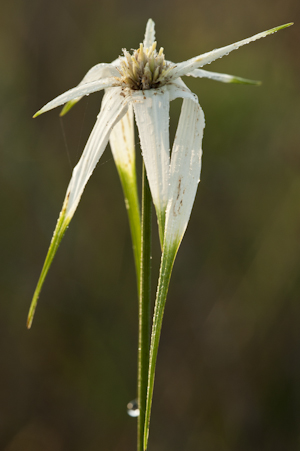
{"points": [[146, 82]]}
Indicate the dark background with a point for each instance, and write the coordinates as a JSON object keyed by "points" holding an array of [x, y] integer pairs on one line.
{"points": [[228, 375]]}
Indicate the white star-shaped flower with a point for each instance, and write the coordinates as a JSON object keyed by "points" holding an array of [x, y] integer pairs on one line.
{"points": [[146, 83]]}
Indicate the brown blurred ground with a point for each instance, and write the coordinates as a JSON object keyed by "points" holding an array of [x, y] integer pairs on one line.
{"points": [[228, 374]]}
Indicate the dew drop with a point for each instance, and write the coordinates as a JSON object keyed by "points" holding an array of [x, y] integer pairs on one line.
{"points": [[132, 409]]}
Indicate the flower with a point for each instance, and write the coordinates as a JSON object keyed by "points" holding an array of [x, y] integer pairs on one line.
{"points": [[146, 83]]}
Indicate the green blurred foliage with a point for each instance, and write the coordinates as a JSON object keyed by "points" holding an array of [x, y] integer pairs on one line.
{"points": [[228, 372]]}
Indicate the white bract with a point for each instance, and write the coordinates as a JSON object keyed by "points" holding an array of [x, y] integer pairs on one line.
{"points": [[145, 82]]}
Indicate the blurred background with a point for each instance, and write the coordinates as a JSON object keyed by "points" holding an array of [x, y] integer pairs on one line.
{"points": [[228, 374]]}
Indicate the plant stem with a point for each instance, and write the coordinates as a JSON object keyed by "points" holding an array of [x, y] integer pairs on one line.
{"points": [[167, 262], [144, 307]]}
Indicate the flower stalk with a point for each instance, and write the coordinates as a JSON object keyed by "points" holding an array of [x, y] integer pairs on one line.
{"points": [[144, 307], [167, 262]]}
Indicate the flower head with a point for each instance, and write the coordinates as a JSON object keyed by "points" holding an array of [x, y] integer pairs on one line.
{"points": [[144, 69], [145, 82]]}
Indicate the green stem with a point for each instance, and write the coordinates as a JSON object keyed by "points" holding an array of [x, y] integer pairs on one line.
{"points": [[144, 307], [167, 262]]}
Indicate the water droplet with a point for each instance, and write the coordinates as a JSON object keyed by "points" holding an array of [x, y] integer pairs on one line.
{"points": [[132, 409]]}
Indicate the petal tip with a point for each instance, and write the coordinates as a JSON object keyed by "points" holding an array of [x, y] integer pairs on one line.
{"points": [[63, 112], [67, 107], [32, 308], [29, 322], [149, 33], [281, 27], [245, 81], [31, 312]]}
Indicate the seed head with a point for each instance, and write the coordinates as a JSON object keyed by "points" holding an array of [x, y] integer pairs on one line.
{"points": [[144, 69]]}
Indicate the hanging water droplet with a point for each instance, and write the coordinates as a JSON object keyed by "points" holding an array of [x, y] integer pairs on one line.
{"points": [[132, 409]]}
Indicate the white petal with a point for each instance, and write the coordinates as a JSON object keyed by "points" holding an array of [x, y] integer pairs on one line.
{"points": [[206, 58], [115, 108], [179, 89], [151, 108], [224, 78], [98, 72], [122, 142], [79, 91], [185, 167], [123, 149], [149, 34]]}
